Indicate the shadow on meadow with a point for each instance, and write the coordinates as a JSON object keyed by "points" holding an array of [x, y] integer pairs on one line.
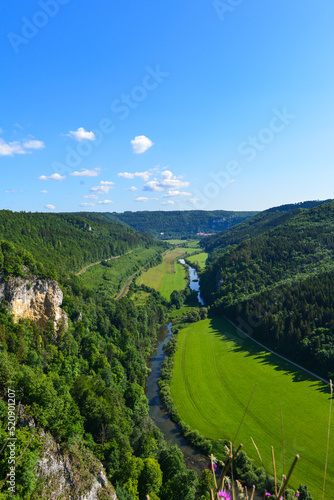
{"points": [[227, 333]]}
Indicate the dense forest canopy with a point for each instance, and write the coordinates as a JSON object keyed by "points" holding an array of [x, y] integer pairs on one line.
{"points": [[181, 224], [254, 226], [67, 242]]}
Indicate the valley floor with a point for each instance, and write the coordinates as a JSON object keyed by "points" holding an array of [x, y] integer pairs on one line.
{"points": [[216, 369]]}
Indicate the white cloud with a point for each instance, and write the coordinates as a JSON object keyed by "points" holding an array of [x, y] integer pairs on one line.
{"points": [[103, 188], [86, 173], [172, 194], [105, 202], [81, 135], [168, 180], [87, 204], [143, 175], [44, 191], [140, 144], [11, 148], [144, 199], [33, 144], [10, 190], [53, 177], [153, 186], [132, 188], [169, 202], [50, 207], [91, 196], [19, 148]]}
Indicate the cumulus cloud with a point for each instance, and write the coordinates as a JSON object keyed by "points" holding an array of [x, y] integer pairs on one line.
{"points": [[86, 173], [172, 194], [103, 188], [193, 200], [132, 188], [169, 202], [87, 204], [44, 191], [50, 207], [53, 177], [168, 180], [143, 175], [105, 202], [19, 147], [81, 135], [140, 144]]}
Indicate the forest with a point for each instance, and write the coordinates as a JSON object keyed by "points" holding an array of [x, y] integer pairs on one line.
{"points": [[180, 224], [279, 284], [85, 386]]}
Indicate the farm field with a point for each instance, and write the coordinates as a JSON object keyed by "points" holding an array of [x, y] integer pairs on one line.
{"points": [[216, 369], [199, 258], [169, 275]]}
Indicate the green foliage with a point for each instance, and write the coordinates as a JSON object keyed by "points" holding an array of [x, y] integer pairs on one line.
{"points": [[180, 224], [279, 286], [66, 242]]}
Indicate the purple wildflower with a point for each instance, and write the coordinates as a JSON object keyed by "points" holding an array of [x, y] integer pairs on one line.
{"points": [[224, 494], [210, 468], [297, 494], [268, 494]]}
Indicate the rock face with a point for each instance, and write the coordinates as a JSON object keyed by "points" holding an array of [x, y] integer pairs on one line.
{"points": [[67, 472], [38, 300], [70, 474]]}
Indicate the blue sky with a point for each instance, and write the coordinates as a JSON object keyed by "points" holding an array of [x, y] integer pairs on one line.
{"points": [[114, 106]]}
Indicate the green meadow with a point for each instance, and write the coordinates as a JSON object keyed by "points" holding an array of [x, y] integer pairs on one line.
{"points": [[109, 279], [169, 275], [216, 369], [199, 258]]}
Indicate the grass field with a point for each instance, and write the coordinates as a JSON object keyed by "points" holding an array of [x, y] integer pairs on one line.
{"points": [[199, 258], [109, 280], [216, 369], [168, 276]]}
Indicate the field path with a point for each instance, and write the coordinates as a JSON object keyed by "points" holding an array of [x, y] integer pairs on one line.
{"points": [[127, 284], [84, 269]]}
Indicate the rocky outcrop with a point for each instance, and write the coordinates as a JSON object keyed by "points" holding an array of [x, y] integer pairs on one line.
{"points": [[72, 474], [68, 472], [36, 299]]}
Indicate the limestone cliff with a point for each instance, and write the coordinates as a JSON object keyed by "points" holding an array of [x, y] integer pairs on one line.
{"points": [[67, 471], [36, 299]]}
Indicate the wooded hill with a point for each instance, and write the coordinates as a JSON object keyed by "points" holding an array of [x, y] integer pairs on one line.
{"points": [[258, 224], [83, 384], [67, 242], [180, 224], [278, 284]]}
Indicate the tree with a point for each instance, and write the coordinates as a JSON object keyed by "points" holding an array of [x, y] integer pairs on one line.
{"points": [[150, 479]]}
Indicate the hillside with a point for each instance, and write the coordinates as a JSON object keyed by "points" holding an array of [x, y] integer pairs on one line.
{"points": [[254, 226], [67, 242], [278, 285], [78, 387], [180, 224]]}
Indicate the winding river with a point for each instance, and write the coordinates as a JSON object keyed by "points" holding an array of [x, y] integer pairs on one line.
{"points": [[161, 419]]}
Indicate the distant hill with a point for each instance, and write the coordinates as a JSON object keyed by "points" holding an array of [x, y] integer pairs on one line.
{"points": [[258, 224], [180, 224], [279, 284], [66, 242]]}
